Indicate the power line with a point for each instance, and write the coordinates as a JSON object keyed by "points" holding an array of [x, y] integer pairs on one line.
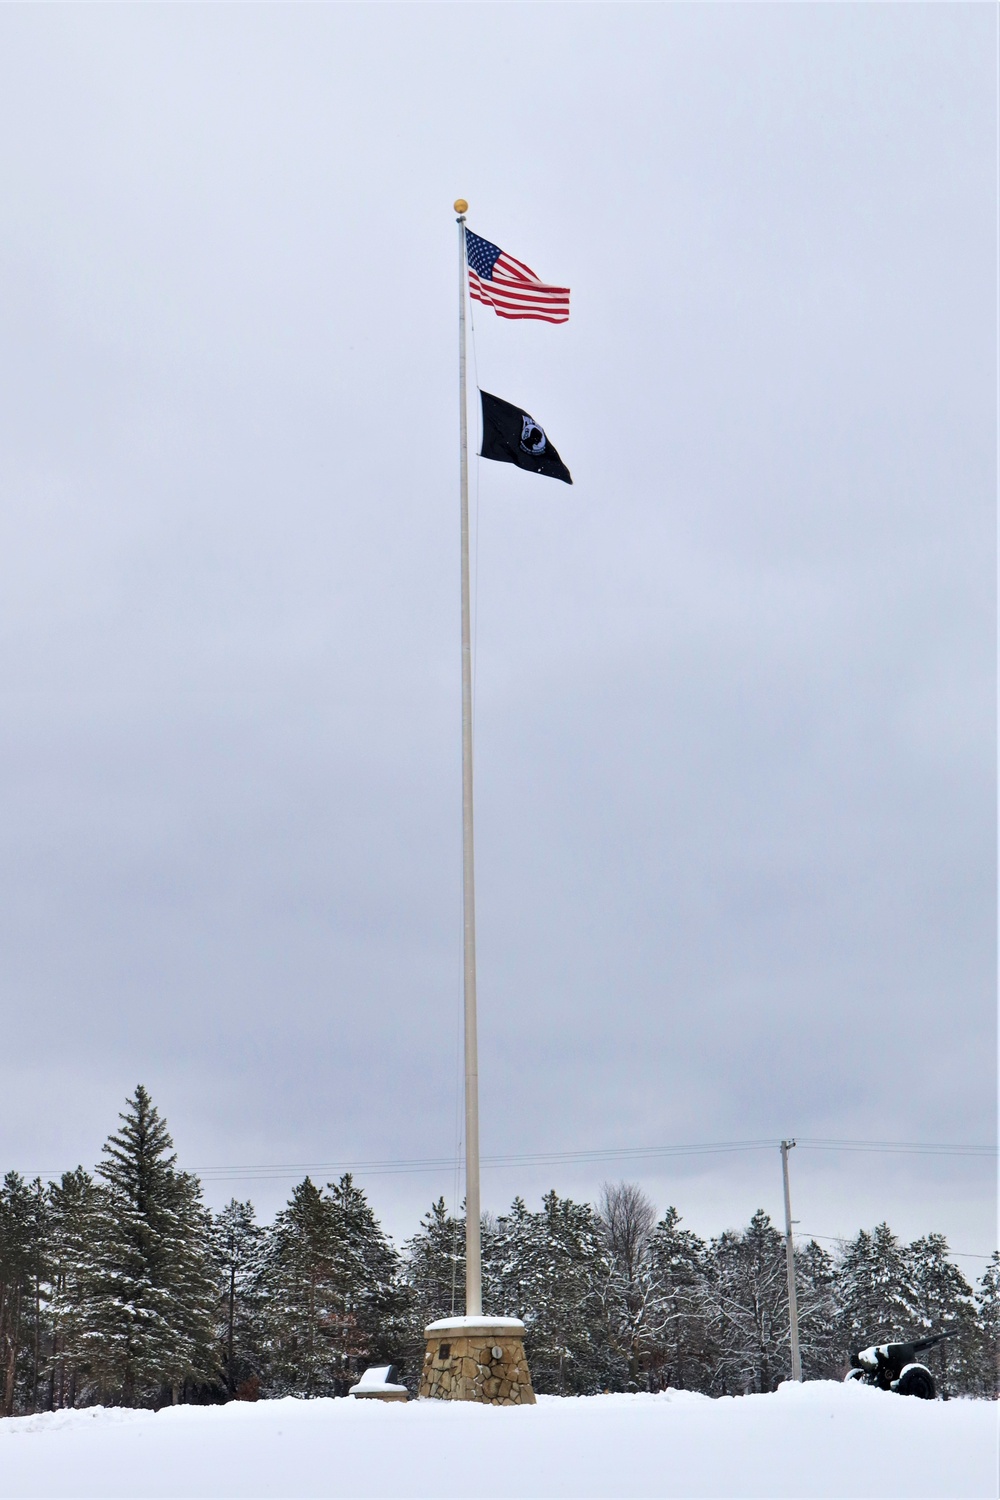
{"points": [[569, 1158], [840, 1239], [436, 1164], [915, 1148], [401, 1166]]}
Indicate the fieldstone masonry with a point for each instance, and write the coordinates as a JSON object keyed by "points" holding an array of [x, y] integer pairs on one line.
{"points": [[473, 1360]]}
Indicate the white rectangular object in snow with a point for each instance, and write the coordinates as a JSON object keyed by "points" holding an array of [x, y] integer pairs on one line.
{"points": [[378, 1384]]}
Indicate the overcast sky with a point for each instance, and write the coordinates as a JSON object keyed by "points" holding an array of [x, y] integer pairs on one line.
{"points": [[735, 740]]}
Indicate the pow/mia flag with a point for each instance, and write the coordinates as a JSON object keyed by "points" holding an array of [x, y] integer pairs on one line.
{"points": [[512, 437]]}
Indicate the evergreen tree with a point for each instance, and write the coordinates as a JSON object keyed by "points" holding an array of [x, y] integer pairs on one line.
{"points": [[296, 1272], [815, 1295], [38, 1228], [369, 1295], [74, 1215], [22, 1249], [874, 1291], [238, 1253], [943, 1302], [433, 1274], [987, 1381], [683, 1357], [153, 1297], [542, 1267], [336, 1303], [506, 1255], [561, 1280], [435, 1266], [747, 1295]]}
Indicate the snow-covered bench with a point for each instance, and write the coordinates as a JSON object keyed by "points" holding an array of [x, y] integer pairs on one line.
{"points": [[378, 1383]]}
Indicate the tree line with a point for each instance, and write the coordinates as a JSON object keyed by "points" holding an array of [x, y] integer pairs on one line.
{"points": [[121, 1288]]}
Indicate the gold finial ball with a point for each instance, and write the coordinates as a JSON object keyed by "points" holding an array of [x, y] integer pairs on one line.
{"points": [[461, 207]]}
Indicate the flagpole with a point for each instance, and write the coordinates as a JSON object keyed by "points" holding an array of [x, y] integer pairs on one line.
{"points": [[473, 1254], [471, 1358]]}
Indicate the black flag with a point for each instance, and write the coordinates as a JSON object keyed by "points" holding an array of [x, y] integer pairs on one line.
{"points": [[512, 437]]}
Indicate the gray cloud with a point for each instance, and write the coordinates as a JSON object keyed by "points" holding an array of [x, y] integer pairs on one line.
{"points": [[734, 690]]}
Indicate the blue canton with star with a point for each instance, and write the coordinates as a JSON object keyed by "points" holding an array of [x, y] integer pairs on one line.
{"points": [[482, 255]]}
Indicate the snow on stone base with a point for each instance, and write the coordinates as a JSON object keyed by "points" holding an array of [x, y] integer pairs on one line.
{"points": [[820, 1439]]}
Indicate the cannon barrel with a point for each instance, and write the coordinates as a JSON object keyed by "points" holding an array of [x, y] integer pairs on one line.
{"points": [[902, 1354], [919, 1345], [898, 1354]]}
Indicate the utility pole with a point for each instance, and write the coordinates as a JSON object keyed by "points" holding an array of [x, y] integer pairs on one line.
{"points": [[793, 1308]]}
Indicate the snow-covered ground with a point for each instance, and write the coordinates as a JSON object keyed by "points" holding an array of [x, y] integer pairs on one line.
{"points": [[816, 1439]]}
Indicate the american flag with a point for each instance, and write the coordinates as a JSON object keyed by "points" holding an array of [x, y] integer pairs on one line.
{"points": [[509, 286]]}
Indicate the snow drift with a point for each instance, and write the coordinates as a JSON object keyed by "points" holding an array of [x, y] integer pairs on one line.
{"points": [[818, 1439]]}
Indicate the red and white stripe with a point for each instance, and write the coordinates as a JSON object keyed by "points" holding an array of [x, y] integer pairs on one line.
{"points": [[516, 292]]}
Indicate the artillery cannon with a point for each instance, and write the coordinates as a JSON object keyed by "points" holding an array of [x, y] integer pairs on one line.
{"points": [[894, 1367]]}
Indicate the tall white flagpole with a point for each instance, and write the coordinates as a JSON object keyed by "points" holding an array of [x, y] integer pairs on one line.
{"points": [[492, 1347], [473, 1255]]}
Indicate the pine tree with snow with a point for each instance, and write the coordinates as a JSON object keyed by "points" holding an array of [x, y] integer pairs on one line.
{"points": [[567, 1338], [988, 1311], [507, 1247], [815, 1291], [875, 1295], [433, 1281], [153, 1301], [369, 1295], [22, 1274], [74, 1217], [296, 1277], [534, 1266], [39, 1295], [943, 1302], [434, 1262], [238, 1253], [683, 1356], [747, 1298], [335, 1300]]}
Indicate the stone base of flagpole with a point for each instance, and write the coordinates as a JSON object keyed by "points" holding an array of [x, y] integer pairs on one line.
{"points": [[477, 1359]]}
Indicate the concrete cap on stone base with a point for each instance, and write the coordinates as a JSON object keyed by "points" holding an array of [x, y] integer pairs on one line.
{"points": [[471, 1327]]}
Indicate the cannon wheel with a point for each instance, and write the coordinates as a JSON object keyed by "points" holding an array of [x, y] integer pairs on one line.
{"points": [[916, 1380]]}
